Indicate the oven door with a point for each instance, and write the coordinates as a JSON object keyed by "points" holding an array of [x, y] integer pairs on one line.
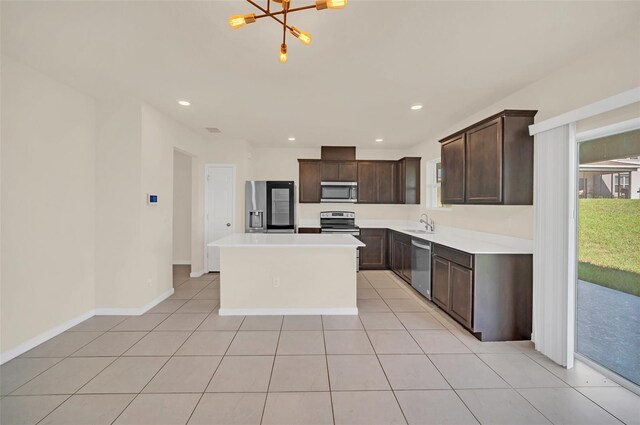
{"points": [[338, 192]]}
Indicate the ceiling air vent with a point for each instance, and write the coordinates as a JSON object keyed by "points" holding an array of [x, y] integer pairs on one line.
{"points": [[213, 130]]}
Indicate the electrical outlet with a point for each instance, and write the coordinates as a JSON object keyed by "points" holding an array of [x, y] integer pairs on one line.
{"points": [[276, 282]]}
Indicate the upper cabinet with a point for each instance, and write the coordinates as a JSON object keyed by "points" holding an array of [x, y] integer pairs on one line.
{"points": [[490, 162], [309, 180], [408, 173], [379, 181], [339, 171], [452, 160]]}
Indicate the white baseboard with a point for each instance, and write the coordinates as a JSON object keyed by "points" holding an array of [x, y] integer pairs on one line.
{"points": [[196, 274], [286, 311], [134, 311], [182, 262], [45, 336]]}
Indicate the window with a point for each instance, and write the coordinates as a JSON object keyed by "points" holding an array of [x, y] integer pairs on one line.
{"points": [[434, 184], [622, 180]]}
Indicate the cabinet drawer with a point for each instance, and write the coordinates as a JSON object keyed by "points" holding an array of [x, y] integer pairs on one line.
{"points": [[402, 238], [458, 257]]}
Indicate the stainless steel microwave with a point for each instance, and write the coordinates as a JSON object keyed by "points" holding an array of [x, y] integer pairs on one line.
{"points": [[339, 192]]}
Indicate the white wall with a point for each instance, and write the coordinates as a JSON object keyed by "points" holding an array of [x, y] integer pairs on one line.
{"points": [[181, 208], [118, 193], [607, 70], [48, 147]]}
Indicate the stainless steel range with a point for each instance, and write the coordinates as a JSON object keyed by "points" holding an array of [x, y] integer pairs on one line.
{"points": [[340, 222]]}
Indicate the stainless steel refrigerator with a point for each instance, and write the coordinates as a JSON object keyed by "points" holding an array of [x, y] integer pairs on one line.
{"points": [[269, 207]]}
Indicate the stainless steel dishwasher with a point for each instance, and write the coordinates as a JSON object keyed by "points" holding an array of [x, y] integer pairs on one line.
{"points": [[421, 267]]}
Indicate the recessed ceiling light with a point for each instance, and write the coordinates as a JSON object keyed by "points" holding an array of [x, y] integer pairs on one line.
{"points": [[292, 139], [184, 103], [416, 107], [379, 140]]}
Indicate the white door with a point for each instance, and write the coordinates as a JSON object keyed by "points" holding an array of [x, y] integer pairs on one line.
{"points": [[220, 189]]}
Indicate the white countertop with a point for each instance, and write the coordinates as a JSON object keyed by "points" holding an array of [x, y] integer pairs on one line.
{"points": [[470, 241], [287, 240]]}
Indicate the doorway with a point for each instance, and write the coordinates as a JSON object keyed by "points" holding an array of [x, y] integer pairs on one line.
{"points": [[608, 260], [220, 183], [181, 216]]}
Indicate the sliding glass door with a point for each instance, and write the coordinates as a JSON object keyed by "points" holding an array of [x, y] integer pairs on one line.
{"points": [[608, 286]]}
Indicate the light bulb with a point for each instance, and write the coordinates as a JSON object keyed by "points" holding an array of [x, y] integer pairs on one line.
{"points": [[336, 4], [283, 53], [331, 4], [305, 37], [237, 21]]}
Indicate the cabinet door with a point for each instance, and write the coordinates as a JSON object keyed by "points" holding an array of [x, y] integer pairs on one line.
{"points": [[483, 157], [372, 256], [440, 282], [401, 182], [411, 180], [348, 171], [309, 181], [330, 171], [396, 257], [367, 182], [406, 262], [453, 170], [385, 182], [461, 306]]}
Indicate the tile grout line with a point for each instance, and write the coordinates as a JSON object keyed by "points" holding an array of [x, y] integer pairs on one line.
{"points": [[216, 369], [70, 356], [380, 363], [479, 358], [326, 361], [60, 358], [430, 361], [266, 397], [163, 365]]}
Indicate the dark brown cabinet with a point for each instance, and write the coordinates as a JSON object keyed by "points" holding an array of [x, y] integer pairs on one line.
{"points": [[483, 183], [490, 162], [440, 282], [461, 281], [453, 168], [374, 255], [408, 177], [309, 230], [309, 180], [339, 171], [377, 182], [489, 294], [401, 255], [452, 283]]}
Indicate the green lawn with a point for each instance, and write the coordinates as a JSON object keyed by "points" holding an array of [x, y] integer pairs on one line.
{"points": [[609, 243]]}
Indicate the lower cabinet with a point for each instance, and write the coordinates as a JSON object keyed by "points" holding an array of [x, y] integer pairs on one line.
{"points": [[461, 306], [489, 294], [373, 256], [452, 289], [441, 282], [401, 255], [309, 230]]}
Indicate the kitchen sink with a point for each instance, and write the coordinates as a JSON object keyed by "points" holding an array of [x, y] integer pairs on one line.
{"points": [[420, 231]]}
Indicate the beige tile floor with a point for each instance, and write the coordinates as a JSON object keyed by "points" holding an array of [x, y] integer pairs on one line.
{"points": [[399, 362]]}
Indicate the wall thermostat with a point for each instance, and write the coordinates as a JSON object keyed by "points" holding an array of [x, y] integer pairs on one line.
{"points": [[152, 199]]}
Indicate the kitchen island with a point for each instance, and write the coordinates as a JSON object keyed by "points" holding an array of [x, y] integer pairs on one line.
{"points": [[265, 273]]}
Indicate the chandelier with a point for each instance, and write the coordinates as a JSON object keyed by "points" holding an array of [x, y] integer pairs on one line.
{"points": [[238, 21]]}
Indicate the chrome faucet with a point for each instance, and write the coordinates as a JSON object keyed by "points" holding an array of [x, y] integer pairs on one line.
{"points": [[429, 224]]}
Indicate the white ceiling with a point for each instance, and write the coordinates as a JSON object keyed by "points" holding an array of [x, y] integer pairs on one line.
{"points": [[367, 64]]}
